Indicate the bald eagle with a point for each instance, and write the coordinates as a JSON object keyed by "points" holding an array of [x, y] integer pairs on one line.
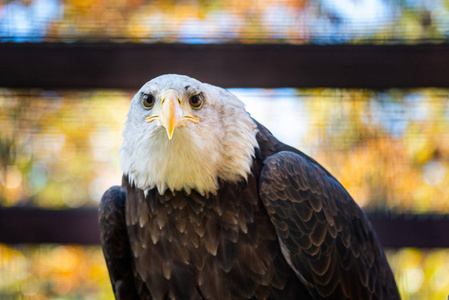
{"points": [[213, 206]]}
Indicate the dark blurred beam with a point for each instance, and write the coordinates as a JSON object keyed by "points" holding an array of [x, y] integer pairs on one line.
{"points": [[410, 230], [80, 226], [128, 66], [28, 225]]}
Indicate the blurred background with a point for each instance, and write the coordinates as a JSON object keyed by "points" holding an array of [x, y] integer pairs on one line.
{"points": [[59, 147], [216, 21]]}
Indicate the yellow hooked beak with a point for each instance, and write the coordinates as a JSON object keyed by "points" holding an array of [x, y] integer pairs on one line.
{"points": [[172, 115]]}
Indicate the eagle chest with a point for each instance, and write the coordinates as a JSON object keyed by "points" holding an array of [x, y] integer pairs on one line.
{"points": [[189, 246]]}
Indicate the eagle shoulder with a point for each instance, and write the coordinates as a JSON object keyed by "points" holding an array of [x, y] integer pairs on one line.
{"points": [[324, 236]]}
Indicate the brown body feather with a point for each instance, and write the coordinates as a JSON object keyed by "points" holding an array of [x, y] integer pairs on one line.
{"points": [[290, 231]]}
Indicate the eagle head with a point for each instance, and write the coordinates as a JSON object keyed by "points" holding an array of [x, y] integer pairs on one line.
{"points": [[182, 134]]}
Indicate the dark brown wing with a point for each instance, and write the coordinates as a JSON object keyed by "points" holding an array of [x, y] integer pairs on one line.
{"points": [[114, 240], [324, 236]]}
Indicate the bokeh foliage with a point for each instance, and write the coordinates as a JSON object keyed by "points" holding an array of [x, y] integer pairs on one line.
{"points": [[197, 21], [53, 272], [59, 149]]}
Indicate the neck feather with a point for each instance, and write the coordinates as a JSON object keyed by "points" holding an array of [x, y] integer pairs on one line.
{"points": [[196, 157]]}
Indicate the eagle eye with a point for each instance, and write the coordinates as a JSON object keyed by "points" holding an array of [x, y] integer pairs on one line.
{"points": [[147, 100], [196, 101]]}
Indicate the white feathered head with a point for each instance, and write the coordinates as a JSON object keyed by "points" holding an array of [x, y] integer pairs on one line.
{"points": [[182, 134]]}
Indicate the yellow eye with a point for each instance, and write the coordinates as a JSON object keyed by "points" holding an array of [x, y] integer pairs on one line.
{"points": [[196, 101], [148, 101]]}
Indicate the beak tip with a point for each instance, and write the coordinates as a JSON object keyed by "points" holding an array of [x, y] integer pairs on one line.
{"points": [[170, 134]]}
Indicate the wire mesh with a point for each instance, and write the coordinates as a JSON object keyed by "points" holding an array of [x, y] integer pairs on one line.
{"points": [[390, 149]]}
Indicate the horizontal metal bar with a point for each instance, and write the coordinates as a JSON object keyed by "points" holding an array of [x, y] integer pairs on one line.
{"points": [[128, 65], [33, 226], [411, 230], [80, 226]]}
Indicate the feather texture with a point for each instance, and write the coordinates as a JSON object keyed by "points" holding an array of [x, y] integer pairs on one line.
{"points": [[201, 244], [334, 250]]}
